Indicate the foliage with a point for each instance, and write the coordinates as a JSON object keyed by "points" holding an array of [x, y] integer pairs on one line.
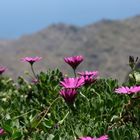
{"points": [[36, 111]]}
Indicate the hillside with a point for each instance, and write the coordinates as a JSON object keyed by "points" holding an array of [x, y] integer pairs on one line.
{"points": [[106, 46]]}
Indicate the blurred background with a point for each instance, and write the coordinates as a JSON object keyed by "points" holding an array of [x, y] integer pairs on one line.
{"points": [[106, 33]]}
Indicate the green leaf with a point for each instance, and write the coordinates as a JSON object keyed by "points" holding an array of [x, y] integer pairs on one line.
{"points": [[8, 128], [34, 123], [137, 76], [16, 135], [50, 137]]}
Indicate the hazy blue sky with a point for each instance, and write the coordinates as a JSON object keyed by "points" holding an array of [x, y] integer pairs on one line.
{"points": [[19, 17]]}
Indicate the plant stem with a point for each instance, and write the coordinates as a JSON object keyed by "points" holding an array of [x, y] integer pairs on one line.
{"points": [[24, 114], [33, 71], [74, 70], [84, 96], [46, 111], [60, 122]]}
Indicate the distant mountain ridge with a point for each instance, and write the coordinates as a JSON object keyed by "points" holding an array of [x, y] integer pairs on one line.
{"points": [[106, 46]]}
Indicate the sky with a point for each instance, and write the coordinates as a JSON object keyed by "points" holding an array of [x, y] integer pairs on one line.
{"points": [[21, 17]]}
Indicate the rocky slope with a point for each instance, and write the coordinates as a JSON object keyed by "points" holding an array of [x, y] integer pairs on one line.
{"points": [[106, 46]]}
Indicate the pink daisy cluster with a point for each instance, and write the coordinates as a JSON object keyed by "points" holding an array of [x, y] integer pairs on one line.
{"points": [[127, 90], [2, 69], [73, 83], [105, 137], [31, 60], [70, 85], [74, 61]]}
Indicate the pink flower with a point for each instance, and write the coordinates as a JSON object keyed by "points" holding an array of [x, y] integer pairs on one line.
{"points": [[2, 69], [72, 82], [89, 73], [2, 131], [31, 60], [35, 81], [74, 61], [89, 76], [69, 95], [128, 90], [105, 137], [86, 138]]}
